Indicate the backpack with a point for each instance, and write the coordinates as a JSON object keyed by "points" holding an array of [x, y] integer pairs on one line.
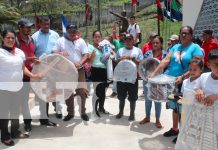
{"points": [[140, 36]]}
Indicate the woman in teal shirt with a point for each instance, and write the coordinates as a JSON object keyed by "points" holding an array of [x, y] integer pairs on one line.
{"points": [[98, 72]]}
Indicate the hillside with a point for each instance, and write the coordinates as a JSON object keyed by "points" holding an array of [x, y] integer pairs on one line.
{"points": [[147, 21]]}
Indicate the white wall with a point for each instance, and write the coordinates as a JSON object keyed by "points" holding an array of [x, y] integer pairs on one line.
{"points": [[191, 9]]}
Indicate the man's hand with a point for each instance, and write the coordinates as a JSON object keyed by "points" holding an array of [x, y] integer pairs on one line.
{"points": [[78, 65], [123, 57], [129, 57], [65, 54]]}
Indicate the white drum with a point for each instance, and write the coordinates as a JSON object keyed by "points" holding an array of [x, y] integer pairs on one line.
{"points": [[147, 66], [160, 87], [125, 71], [59, 81]]}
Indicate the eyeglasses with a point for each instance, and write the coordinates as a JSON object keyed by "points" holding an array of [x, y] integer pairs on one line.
{"points": [[184, 33]]}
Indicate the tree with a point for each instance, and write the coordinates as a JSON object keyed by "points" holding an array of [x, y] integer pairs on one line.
{"points": [[8, 14]]}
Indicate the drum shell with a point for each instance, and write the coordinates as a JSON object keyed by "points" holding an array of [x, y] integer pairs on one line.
{"points": [[159, 90]]}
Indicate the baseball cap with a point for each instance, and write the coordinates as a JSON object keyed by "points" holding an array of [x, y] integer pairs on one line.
{"points": [[129, 36], [71, 26], [208, 32], [152, 34], [174, 37], [25, 22]]}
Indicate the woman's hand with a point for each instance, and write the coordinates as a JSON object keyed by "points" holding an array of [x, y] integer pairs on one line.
{"points": [[93, 54], [151, 75], [179, 80], [199, 95]]}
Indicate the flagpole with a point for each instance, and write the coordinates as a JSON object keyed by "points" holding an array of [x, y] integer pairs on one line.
{"points": [[158, 27], [86, 10], [99, 21]]}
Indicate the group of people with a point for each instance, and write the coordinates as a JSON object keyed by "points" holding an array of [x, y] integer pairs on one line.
{"points": [[183, 59]]}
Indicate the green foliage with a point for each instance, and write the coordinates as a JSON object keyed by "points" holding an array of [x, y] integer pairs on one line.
{"points": [[8, 15], [45, 7]]}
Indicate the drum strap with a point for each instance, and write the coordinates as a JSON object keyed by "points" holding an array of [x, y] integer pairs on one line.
{"points": [[180, 59]]}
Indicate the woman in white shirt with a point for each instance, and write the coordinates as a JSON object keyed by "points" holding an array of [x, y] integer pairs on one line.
{"points": [[12, 68]]}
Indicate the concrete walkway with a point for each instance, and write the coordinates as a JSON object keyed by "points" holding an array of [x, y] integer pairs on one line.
{"points": [[105, 133]]}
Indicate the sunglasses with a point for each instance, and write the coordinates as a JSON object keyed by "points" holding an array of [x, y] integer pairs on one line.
{"points": [[184, 33]]}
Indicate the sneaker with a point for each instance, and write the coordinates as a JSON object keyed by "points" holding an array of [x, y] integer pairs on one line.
{"points": [[85, 117], [174, 140], [113, 95], [68, 117], [170, 133]]}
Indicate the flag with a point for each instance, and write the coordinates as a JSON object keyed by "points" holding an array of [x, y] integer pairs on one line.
{"points": [[134, 2], [159, 11], [64, 24], [173, 10], [37, 26]]}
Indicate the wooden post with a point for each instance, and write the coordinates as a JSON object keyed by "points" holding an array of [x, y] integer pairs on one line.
{"points": [[99, 19], [158, 27]]}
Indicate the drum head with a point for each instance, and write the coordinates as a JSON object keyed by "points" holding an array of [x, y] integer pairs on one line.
{"points": [[147, 66], [125, 71], [59, 81]]}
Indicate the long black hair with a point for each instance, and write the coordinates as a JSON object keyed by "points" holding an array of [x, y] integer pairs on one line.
{"points": [[4, 34]]}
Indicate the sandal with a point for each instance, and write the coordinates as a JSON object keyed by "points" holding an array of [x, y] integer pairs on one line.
{"points": [[145, 120], [158, 124], [8, 142]]}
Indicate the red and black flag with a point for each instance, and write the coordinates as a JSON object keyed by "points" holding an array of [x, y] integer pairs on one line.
{"points": [[159, 11], [37, 26], [88, 11], [134, 2]]}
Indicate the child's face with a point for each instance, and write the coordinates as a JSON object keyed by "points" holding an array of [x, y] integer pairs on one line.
{"points": [[213, 65], [194, 70]]}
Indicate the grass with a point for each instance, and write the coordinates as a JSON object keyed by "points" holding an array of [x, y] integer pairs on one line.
{"points": [[147, 21]]}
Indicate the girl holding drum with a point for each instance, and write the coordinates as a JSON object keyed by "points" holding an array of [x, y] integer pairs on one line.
{"points": [[159, 53]]}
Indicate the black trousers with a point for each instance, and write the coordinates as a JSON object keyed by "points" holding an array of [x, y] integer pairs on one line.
{"points": [[99, 75], [10, 104], [127, 88]]}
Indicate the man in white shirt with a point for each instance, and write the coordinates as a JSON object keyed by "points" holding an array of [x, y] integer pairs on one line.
{"points": [[75, 49], [123, 88], [134, 30]]}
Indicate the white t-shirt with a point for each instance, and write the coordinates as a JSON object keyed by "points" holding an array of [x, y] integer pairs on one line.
{"points": [[187, 84], [134, 52], [207, 84], [11, 68], [133, 30], [75, 49]]}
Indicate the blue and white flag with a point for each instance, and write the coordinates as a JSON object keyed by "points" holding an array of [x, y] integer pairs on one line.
{"points": [[64, 24]]}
